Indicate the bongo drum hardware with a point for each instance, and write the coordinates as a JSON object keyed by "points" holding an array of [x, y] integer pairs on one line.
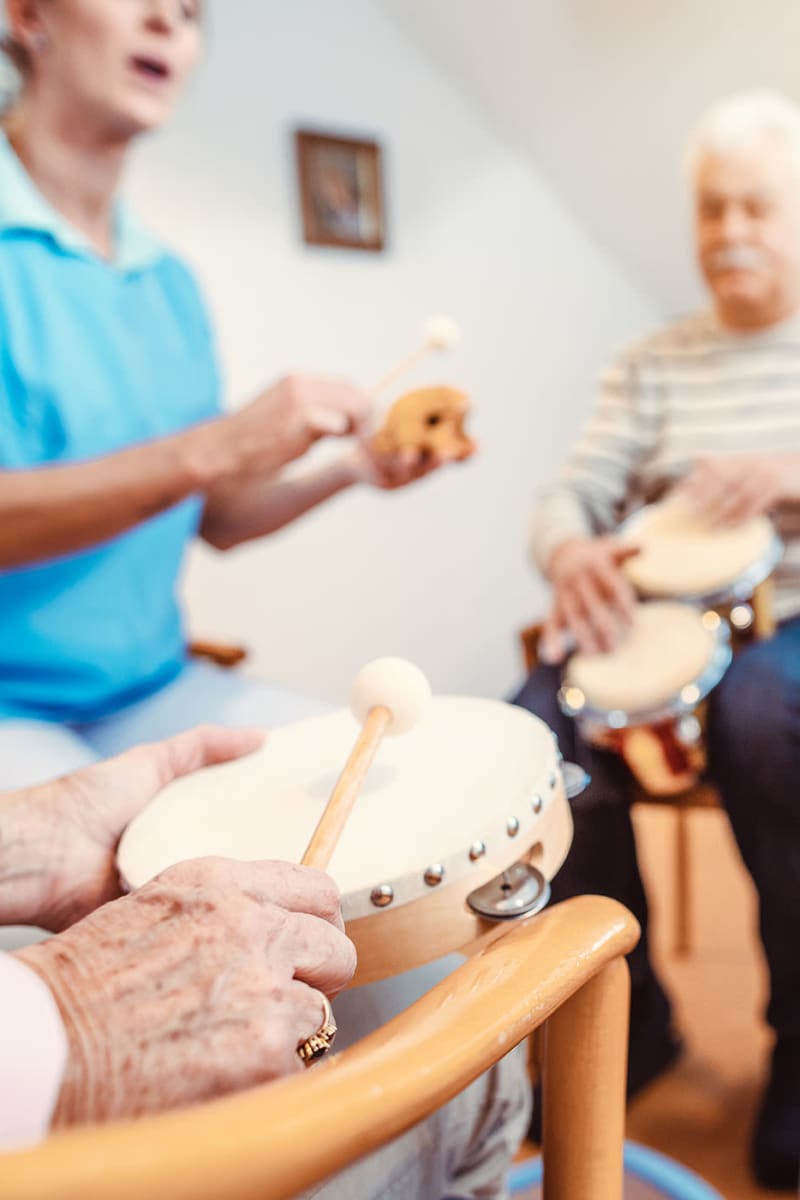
{"points": [[682, 557], [472, 789]]}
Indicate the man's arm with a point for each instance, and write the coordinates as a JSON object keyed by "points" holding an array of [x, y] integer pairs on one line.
{"points": [[585, 497]]}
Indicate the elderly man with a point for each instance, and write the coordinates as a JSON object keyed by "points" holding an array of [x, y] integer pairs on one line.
{"points": [[711, 405], [94, 1021]]}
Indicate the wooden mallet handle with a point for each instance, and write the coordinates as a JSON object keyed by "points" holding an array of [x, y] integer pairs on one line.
{"points": [[333, 820]]}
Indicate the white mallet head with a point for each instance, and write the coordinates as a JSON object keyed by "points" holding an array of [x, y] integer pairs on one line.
{"points": [[441, 333], [395, 684]]}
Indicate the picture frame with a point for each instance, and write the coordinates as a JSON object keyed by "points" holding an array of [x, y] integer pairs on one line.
{"points": [[341, 191]]}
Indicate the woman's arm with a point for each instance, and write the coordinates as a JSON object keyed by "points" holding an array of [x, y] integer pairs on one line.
{"points": [[240, 513], [49, 511]]}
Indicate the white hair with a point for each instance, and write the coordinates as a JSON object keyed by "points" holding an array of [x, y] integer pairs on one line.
{"points": [[741, 121]]}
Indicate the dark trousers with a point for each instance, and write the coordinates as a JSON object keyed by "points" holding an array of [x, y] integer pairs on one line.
{"points": [[754, 758]]}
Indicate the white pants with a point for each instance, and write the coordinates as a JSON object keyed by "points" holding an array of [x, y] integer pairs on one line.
{"points": [[463, 1151]]}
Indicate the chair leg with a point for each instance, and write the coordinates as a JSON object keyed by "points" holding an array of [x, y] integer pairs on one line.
{"points": [[682, 884], [585, 1069]]}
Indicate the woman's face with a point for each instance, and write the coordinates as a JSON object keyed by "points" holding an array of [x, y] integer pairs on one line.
{"points": [[116, 64]]}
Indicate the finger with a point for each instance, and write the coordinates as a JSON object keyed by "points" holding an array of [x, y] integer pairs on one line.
{"points": [[597, 611], [205, 746], [342, 397], [307, 1010], [328, 422], [321, 956], [578, 625], [292, 887], [750, 500], [552, 643], [616, 588]]}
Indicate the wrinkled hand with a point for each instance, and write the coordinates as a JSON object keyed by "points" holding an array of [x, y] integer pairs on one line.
{"points": [[201, 983], [391, 471], [593, 601], [280, 425], [62, 836], [728, 491]]}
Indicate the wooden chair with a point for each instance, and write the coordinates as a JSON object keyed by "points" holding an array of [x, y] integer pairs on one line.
{"points": [[564, 969], [218, 653], [702, 795]]}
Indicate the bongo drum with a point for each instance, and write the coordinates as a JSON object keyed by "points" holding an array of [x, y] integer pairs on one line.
{"points": [[683, 558], [642, 698], [461, 821]]}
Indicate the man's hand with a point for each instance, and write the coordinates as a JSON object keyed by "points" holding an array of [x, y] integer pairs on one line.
{"points": [[593, 601], [729, 491], [201, 983], [58, 841]]}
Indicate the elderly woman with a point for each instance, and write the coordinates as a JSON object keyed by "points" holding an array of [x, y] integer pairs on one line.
{"points": [[114, 452]]}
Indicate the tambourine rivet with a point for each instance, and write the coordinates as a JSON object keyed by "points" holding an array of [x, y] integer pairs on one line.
{"points": [[434, 875], [537, 804], [553, 780], [512, 826], [382, 896], [476, 851]]}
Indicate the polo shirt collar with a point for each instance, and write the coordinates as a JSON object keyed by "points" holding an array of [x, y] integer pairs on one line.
{"points": [[23, 207]]}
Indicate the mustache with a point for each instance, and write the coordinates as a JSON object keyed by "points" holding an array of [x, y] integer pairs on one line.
{"points": [[742, 258]]}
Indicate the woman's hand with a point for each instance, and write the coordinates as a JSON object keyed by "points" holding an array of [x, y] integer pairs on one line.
{"points": [[391, 471], [58, 841], [203, 982], [279, 426]]}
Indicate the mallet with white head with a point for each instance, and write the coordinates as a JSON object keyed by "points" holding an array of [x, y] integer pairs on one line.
{"points": [[388, 697]]}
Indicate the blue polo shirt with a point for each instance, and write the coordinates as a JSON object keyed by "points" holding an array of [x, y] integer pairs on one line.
{"points": [[94, 356]]}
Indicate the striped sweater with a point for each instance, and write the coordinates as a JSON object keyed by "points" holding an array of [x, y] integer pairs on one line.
{"points": [[693, 390]]}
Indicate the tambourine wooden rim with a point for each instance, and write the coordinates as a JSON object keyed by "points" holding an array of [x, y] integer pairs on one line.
{"points": [[493, 797]]}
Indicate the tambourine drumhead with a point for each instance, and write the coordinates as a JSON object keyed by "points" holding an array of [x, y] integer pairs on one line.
{"points": [[460, 778], [681, 556], [669, 647]]}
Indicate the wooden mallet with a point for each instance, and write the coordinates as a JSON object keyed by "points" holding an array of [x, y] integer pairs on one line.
{"points": [[388, 697], [440, 333]]}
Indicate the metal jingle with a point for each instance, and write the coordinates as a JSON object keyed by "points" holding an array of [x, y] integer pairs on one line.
{"points": [[576, 780], [520, 891]]}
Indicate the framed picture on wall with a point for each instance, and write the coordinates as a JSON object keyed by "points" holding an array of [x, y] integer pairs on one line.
{"points": [[341, 191]]}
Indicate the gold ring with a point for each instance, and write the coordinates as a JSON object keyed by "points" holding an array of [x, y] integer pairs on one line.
{"points": [[320, 1042]]}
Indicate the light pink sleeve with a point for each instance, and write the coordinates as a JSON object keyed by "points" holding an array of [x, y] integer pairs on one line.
{"points": [[33, 1054]]}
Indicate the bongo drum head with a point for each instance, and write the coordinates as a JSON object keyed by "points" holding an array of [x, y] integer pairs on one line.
{"points": [[430, 794], [669, 646], [682, 556]]}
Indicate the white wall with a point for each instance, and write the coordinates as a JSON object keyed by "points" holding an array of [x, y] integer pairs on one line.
{"points": [[437, 573]]}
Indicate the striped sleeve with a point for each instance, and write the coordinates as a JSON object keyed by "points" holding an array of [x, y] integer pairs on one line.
{"points": [[589, 492]]}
